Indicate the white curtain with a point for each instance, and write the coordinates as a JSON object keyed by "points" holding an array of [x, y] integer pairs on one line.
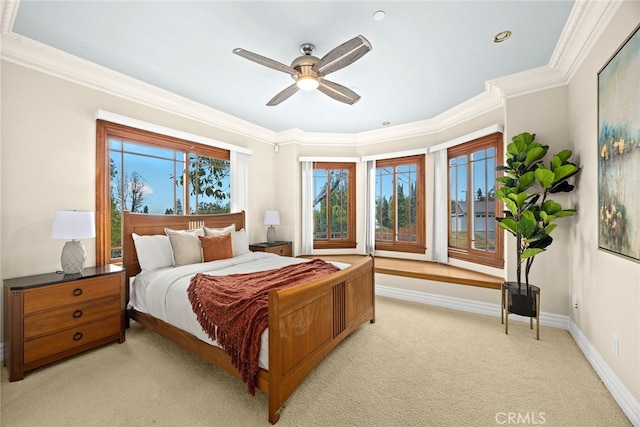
{"points": [[440, 212], [306, 246], [370, 210], [240, 182]]}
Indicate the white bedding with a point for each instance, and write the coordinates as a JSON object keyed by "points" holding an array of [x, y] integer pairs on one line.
{"points": [[163, 293]]}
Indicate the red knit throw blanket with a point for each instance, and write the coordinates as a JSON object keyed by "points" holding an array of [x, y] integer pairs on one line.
{"points": [[233, 309]]}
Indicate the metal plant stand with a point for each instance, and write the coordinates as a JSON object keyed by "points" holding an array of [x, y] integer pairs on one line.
{"points": [[518, 301]]}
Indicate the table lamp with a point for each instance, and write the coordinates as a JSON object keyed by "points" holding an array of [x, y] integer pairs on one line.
{"points": [[73, 225], [271, 218]]}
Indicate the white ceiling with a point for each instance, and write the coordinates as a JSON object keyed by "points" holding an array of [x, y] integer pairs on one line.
{"points": [[427, 56]]}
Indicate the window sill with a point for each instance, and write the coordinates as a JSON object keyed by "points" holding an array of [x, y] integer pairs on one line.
{"points": [[474, 259], [427, 270], [341, 245]]}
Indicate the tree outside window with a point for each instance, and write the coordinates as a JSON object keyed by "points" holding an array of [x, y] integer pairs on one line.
{"points": [[334, 207], [209, 185], [400, 204]]}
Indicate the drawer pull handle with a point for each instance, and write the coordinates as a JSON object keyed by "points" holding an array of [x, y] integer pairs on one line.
{"points": [[77, 292], [77, 314], [77, 336]]}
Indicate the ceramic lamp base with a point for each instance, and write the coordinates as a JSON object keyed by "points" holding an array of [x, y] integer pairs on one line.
{"points": [[271, 234], [73, 257]]}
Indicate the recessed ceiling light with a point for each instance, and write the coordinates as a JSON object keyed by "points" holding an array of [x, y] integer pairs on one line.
{"points": [[378, 15], [501, 36], [386, 123]]}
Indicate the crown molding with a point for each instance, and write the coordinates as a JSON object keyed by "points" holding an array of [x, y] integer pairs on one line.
{"points": [[9, 10], [528, 81], [586, 22], [490, 99], [45, 59]]}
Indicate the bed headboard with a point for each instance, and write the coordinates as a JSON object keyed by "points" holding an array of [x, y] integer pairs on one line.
{"points": [[146, 224]]}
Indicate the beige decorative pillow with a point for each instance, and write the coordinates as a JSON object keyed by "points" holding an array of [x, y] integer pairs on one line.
{"points": [[185, 245], [216, 247]]}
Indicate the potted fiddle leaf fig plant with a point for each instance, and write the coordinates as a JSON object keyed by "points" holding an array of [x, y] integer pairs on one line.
{"points": [[530, 213]]}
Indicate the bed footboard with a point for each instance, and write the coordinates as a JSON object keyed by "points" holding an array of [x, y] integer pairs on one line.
{"points": [[306, 322]]}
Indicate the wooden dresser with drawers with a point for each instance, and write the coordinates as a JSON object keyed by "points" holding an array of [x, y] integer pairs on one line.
{"points": [[48, 317]]}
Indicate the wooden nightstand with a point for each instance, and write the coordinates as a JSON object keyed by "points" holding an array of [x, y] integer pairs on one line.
{"points": [[48, 317], [279, 248]]}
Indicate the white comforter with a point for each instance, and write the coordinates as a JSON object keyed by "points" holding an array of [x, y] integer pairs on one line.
{"points": [[163, 293]]}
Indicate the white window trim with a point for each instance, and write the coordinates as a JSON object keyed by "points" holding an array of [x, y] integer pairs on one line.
{"points": [[162, 130], [395, 155], [312, 159]]}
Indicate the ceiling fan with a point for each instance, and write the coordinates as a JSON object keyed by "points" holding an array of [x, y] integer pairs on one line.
{"points": [[308, 71]]}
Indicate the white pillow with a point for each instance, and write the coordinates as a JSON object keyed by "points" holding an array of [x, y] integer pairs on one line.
{"points": [[185, 246], [153, 252], [239, 242]]}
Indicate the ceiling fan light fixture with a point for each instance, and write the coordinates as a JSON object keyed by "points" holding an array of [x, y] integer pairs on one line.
{"points": [[307, 83], [307, 70]]}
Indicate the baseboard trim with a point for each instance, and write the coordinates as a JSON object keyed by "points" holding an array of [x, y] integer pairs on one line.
{"points": [[627, 402], [546, 319]]}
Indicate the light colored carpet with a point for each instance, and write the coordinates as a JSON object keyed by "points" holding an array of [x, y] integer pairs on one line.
{"points": [[418, 365]]}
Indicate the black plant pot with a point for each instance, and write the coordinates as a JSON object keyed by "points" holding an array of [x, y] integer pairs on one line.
{"points": [[522, 301]]}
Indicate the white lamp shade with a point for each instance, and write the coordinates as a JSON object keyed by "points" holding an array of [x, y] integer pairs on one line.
{"points": [[272, 218], [73, 225]]}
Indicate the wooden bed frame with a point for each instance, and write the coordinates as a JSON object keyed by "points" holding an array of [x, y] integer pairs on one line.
{"points": [[305, 322]]}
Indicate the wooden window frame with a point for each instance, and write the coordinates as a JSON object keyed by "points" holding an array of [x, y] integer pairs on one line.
{"points": [[419, 246], [350, 242], [106, 130], [496, 259]]}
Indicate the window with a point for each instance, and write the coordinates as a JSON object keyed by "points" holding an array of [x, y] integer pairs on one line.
{"points": [[400, 209], [473, 207], [144, 172], [334, 207]]}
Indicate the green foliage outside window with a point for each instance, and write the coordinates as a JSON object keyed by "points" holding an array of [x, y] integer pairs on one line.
{"points": [[401, 205], [331, 207]]}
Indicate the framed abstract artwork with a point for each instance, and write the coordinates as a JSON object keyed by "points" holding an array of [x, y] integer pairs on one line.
{"points": [[619, 150]]}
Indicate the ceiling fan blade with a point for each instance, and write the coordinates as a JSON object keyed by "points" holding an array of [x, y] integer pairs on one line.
{"points": [[338, 92], [283, 95], [263, 60], [343, 55]]}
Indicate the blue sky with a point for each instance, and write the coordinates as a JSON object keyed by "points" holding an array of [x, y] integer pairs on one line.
{"points": [[157, 166]]}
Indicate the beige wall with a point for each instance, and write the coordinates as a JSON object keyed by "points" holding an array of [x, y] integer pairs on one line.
{"points": [[47, 162], [607, 286], [545, 114]]}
